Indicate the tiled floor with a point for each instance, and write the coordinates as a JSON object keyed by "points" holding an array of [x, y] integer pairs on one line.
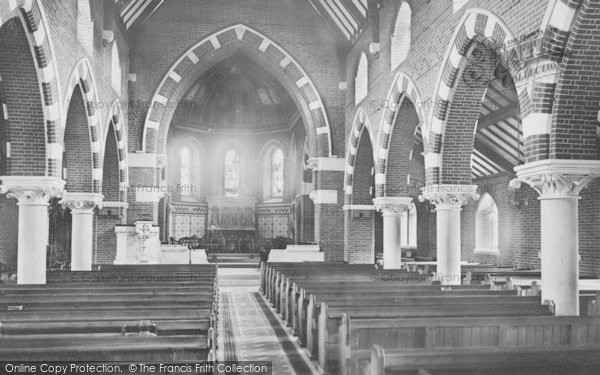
{"points": [[250, 330]]}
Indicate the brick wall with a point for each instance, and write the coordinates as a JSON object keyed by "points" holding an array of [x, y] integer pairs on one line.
{"points": [[9, 222], [359, 241], [23, 128], [106, 240], [518, 226], [577, 99], [401, 143], [363, 165], [21, 93], [589, 235], [110, 169], [77, 154]]}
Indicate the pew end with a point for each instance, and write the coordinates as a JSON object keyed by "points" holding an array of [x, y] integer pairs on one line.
{"points": [[377, 364]]}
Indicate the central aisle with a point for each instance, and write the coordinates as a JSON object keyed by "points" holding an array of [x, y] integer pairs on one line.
{"points": [[250, 330]]}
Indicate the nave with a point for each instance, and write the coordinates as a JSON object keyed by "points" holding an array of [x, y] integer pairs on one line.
{"points": [[302, 318]]}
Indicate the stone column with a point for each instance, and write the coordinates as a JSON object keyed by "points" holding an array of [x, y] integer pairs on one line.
{"points": [[391, 209], [82, 207], [33, 195], [559, 183], [448, 200]]}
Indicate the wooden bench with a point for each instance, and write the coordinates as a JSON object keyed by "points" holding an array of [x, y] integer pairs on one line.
{"points": [[168, 313], [302, 302], [108, 347], [323, 340], [490, 361], [357, 336]]}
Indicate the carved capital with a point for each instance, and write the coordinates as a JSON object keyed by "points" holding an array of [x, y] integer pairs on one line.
{"points": [[81, 202], [392, 205], [449, 196], [31, 190], [555, 179]]}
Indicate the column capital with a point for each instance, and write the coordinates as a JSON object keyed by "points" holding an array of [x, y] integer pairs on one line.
{"points": [[449, 196], [557, 178], [392, 205], [32, 190], [81, 202]]}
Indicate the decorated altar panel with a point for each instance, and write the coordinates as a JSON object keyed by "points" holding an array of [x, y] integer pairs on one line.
{"points": [[187, 219], [273, 220]]}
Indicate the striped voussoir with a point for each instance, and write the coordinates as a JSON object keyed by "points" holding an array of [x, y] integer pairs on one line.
{"points": [[115, 117], [475, 23], [158, 117], [31, 13], [82, 78], [361, 120], [403, 87], [537, 111]]}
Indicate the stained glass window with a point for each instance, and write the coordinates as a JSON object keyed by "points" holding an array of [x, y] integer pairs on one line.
{"points": [[277, 173], [186, 170], [232, 173]]}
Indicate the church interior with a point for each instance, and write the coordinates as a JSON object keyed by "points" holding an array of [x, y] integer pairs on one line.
{"points": [[301, 186]]}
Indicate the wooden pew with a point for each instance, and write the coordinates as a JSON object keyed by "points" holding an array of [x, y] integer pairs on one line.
{"points": [[569, 360], [167, 313], [157, 327], [357, 336], [303, 306], [57, 347], [325, 335]]}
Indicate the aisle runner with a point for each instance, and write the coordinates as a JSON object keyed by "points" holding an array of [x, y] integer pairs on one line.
{"points": [[253, 336]]}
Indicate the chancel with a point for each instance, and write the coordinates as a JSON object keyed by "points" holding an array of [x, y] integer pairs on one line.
{"points": [[301, 186]]}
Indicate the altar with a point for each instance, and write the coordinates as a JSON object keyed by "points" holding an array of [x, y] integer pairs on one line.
{"points": [[232, 223]]}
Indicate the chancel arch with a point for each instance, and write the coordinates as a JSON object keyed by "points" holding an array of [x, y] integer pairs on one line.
{"points": [[237, 39], [242, 117]]}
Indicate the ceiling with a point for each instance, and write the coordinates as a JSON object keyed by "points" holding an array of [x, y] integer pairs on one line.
{"points": [[499, 138], [135, 12], [347, 18], [236, 94]]}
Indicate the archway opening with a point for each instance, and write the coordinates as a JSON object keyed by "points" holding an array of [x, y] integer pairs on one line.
{"points": [[22, 128], [241, 125]]}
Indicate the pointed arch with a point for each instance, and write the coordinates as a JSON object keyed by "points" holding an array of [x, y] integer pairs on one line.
{"points": [[475, 23], [360, 123], [115, 117], [32, 15], [403, 88], [217, 46], [82, 79]]}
